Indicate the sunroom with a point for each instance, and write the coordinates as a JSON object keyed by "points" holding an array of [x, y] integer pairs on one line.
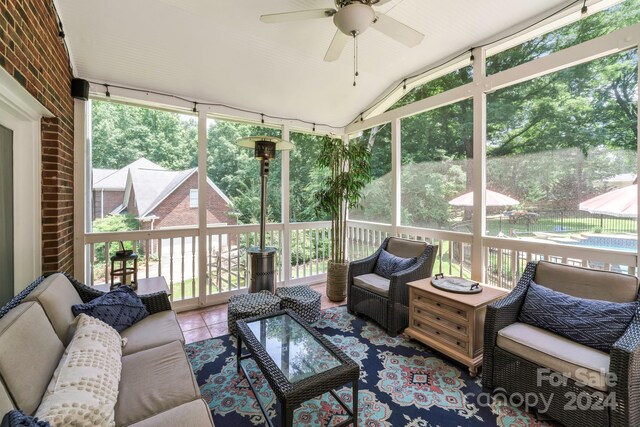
{"points": [[490, 244]]}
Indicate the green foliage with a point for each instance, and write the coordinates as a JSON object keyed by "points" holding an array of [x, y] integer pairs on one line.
{"points": [[122, 134], [350, 172], [112, 223]]}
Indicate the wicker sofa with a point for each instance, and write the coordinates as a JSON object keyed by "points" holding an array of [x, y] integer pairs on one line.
{"points": [[157, 386], [387, 301], [520, 358]]}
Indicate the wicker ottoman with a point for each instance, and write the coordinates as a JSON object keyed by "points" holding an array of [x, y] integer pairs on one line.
{"points": [[303, 300], [249, 305]]}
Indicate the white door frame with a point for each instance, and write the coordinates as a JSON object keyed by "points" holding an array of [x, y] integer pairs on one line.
{"points": [[22, 113]]}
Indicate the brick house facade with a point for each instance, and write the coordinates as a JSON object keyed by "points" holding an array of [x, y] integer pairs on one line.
{"points": [[175, 210], [106, 201], [32, 51]]}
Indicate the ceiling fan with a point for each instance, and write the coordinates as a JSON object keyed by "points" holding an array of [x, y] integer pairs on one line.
{"points": [[352, 17]]}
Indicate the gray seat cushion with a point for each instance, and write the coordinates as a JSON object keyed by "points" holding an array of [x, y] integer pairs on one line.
{"points": [[154, 381], [6, 404], [56, 295], [194, 414], [152, 331], [373, 283], [29, 354], [557, 353]]}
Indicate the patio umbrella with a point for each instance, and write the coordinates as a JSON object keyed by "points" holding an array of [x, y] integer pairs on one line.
{"points": [[492, 199], [622, 202]]}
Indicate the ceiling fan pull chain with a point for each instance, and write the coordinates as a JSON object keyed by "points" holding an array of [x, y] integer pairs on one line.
{"points": [[355, 57]]}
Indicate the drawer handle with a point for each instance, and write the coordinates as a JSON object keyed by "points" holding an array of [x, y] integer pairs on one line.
{"points": [[457, 342], [459, 312], [438, 304], [458, 327], [418, 311], [437, 332], [437, 318]]}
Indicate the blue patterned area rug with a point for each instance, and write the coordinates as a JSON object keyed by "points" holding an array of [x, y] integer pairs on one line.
{"points": [[402, 384]]}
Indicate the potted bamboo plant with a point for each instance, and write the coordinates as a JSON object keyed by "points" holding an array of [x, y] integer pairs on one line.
{"points": [[349, 171]]}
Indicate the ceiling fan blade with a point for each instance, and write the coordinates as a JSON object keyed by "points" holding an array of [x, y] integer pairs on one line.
{"points": [[336, 47], [275, 18], [397, 30], [381, 2]]}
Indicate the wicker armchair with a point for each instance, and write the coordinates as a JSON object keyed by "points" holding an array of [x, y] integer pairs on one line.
{"points": [[387, 301], [612, 402]]}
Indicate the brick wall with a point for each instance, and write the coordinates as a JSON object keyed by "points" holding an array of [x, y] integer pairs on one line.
{"points": [[112, 199], [174, 211], [32, 52]]}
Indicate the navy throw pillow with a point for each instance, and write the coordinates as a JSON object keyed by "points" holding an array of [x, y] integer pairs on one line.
{"points": [[387, 264], [15, 418], [119, 308], [594, 323]]}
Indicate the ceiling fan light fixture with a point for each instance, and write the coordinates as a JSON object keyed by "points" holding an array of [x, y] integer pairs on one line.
{"points": [[354, 18]]}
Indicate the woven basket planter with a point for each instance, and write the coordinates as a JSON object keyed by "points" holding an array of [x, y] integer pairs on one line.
{"points": [[337, 276]]}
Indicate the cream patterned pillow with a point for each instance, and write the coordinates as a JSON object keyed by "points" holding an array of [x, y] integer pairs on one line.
{"points": [[84, 387]]}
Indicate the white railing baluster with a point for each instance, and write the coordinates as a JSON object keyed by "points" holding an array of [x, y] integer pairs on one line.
{"points": [[182, 287], [160, 259], [92, 262], [193, 268], [171, 268], [147, 249], [106, 262]]}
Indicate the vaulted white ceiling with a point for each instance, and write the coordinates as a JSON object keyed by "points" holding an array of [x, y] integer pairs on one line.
{"points": [[219, 51]]}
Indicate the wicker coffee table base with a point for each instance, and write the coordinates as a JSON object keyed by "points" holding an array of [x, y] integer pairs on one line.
{"points": [[292, 396]]}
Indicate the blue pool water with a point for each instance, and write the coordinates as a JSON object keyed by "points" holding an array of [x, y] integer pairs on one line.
{"points": [[610, 242]]}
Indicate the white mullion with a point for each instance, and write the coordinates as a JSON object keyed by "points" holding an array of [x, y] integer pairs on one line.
{"points": [[396, 168], [202, 207], [285, 208], [638, 149], [478, 267]]}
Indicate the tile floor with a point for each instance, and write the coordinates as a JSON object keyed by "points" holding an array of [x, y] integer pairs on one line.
{"points": [[211, 322]]}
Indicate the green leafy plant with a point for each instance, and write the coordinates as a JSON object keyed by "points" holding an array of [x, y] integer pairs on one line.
{"points": [[350, 172]]}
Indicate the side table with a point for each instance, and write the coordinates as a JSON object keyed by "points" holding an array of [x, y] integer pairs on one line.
{"points": [[150, 285], [450, 323]]}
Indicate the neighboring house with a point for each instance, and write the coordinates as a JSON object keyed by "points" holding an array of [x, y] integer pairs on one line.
{"points": [[109, 185], [160, 198]]}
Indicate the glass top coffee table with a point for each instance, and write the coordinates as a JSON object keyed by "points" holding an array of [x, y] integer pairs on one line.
{"points": [[297, 361]]}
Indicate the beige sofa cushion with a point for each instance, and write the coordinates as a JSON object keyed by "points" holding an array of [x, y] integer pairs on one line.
{"points": [[196, 414], [84, 387], [154, 381], [56, 295], [405, 248], [373, 283], [152, 331], [587, 283], [544, 348], [6, 404], [29, 353]]}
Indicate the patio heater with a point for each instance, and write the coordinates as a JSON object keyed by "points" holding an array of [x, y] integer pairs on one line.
{"points": [[262, 258]]}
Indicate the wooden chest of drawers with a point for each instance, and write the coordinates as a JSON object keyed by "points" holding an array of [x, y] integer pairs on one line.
{"points": [[448, 322]]}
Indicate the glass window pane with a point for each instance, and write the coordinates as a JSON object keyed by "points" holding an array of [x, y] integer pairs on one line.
{"points": [[144, 164], [555, 143], [305, 177], [614, 18], [375, 205], [235, 173], [437, 153], [441, 84]]}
